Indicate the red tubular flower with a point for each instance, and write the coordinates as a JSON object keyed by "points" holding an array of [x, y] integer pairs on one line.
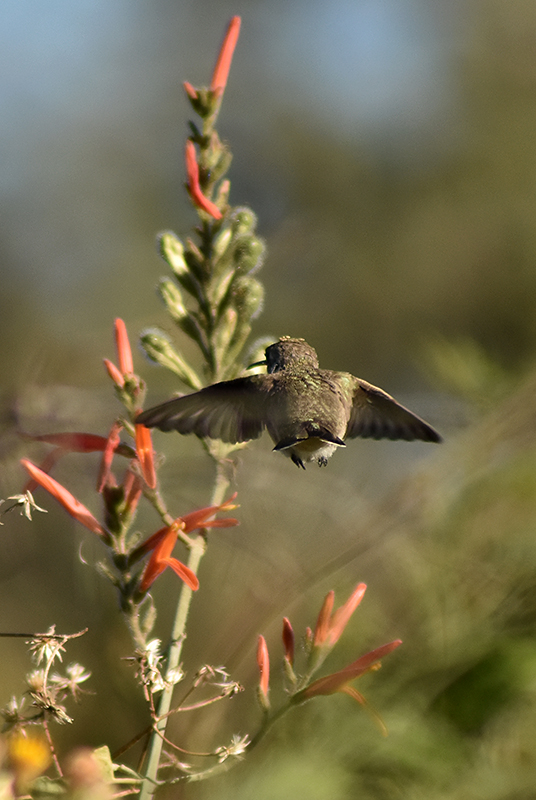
{"points": [[338, 681], [192, 172], [124, 353], [329, 627], [288, 641], [163, 543], [144, 450], [75, 442], [107, 456], [190, 90], [263, 662], [64, 497], [201, 518], [133, 488], [82, 443], [188, 523], [114, 373], [46, 465], [342, 615], [223, 63], [323, 621]]}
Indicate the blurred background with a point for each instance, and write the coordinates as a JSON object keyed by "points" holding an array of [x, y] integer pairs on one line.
{"points": [[387, 147]]}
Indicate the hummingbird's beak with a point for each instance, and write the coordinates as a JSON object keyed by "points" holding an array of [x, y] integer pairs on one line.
{"points": [[258, 364]]}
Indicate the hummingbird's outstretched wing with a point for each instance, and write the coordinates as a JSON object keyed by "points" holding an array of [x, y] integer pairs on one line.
{"points": [[232, 411], [377, 415]]}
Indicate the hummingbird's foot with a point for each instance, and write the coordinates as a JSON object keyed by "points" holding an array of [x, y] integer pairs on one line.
{"points": [[322, 461], [297, 460]]}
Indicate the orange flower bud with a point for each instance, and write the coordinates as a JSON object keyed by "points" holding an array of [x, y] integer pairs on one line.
{"points": [[263, 662], [124, 353], [192, 172], [225, 57]]}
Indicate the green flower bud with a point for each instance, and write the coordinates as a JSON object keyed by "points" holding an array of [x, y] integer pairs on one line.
{"points": [[224, 333], [243, 220], [248, 296], [195, 260], [191, 327], [249, 252], [159, 349], [220, 161], [222, 195], [172, 297], [221, 243], [238, 340], [219, 288], [202, 102], [172, 250], [186, 320]]}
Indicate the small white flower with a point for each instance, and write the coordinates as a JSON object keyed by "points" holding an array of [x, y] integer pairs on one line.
{"points": [[236, 749], [47, 646], [155, 682], [174, 676], [75, 675], [26, 502], [13, 712], [152, 650], [36, 681]]}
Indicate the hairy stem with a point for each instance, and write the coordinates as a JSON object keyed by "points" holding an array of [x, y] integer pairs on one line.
{"points": [[178, 635]]}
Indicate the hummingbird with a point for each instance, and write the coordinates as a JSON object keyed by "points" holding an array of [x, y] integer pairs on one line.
{"points": [[308, 411]]}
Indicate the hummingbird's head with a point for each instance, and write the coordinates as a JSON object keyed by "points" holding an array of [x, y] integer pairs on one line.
{"points": [[292, 353]]}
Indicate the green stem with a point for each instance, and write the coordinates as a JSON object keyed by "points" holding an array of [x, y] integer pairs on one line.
{"points": [[232, 762], [267, 724], [178, 635]]}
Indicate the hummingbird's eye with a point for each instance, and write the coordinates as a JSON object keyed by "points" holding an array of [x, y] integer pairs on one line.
{"points": [[273, 362]]}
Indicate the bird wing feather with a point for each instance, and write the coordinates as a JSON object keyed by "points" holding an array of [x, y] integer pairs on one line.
{"points": [[377, 415], [233, 411]]}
